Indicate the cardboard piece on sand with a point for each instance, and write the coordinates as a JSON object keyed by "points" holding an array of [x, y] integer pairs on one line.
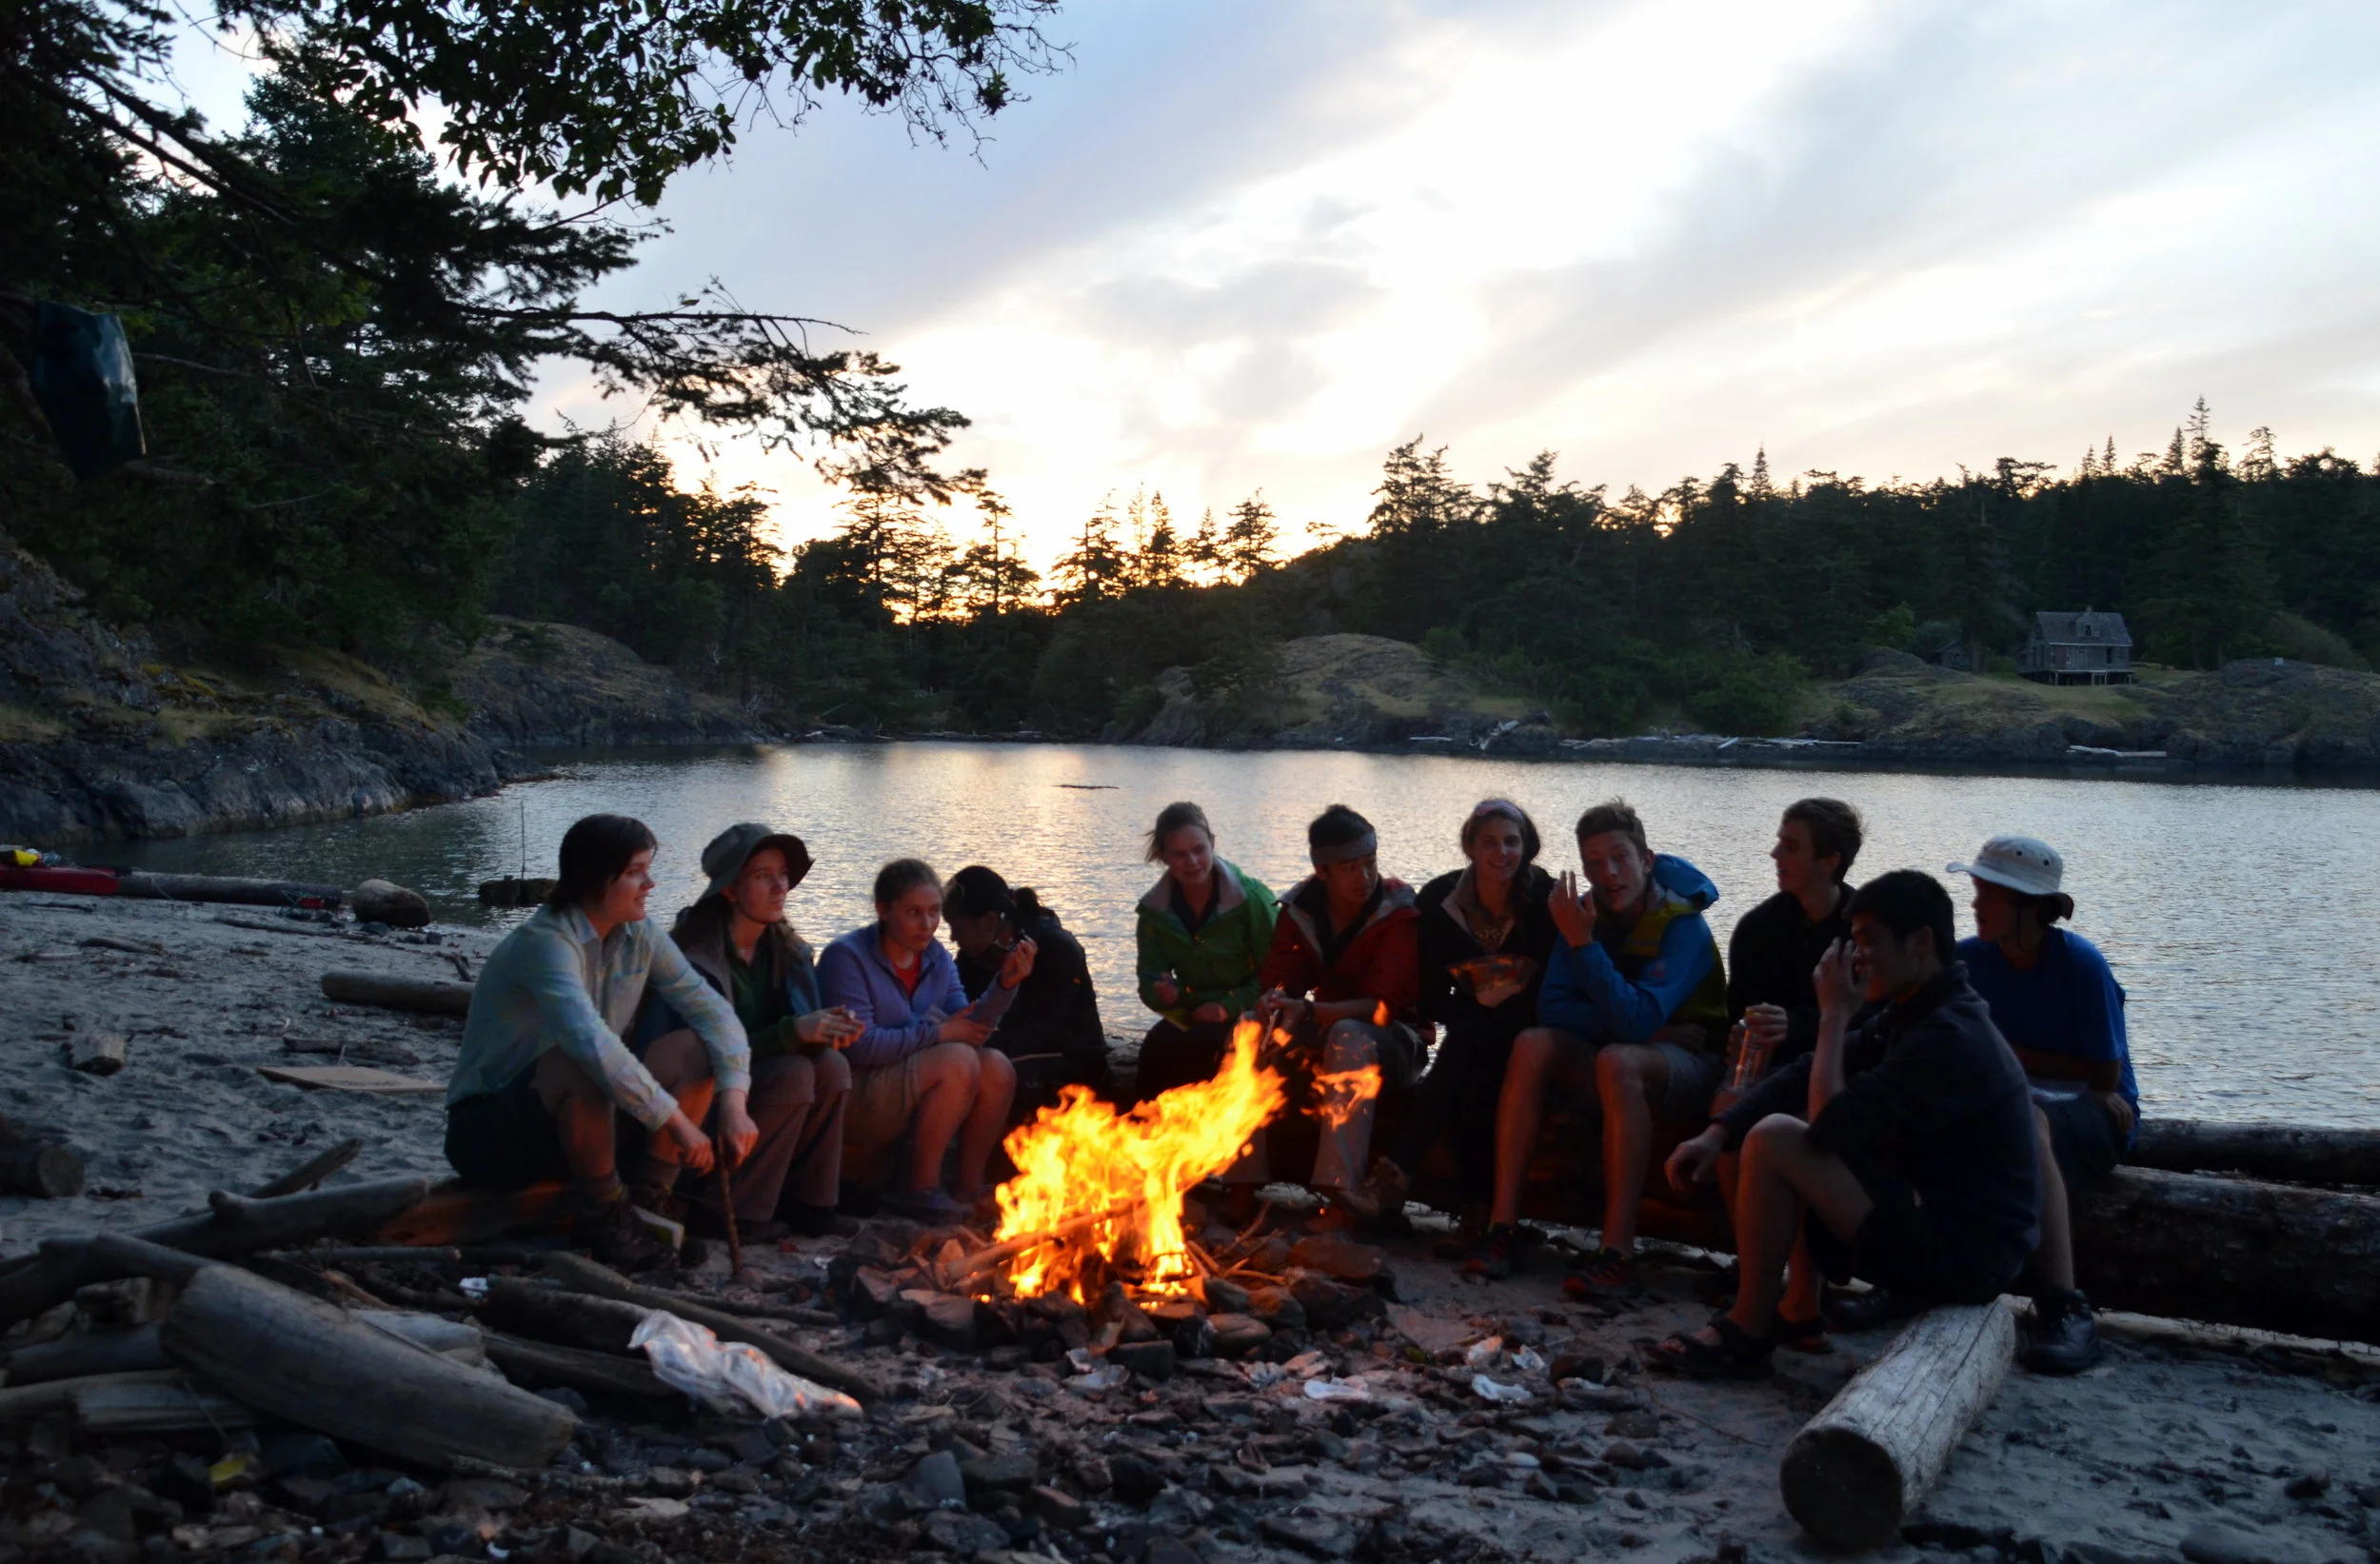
{"points": [[348, 1078]]}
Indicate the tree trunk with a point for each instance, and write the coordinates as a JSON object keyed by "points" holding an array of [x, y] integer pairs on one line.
{"points": [[543, 1363], [2231, 1251], [64, 1264], [1862, 1466], [585, 1275], [2307, 1154], [310, 1363], [428, 996]]}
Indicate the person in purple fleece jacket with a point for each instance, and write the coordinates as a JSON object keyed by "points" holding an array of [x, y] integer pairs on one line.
{"points": [[920, 1064]]}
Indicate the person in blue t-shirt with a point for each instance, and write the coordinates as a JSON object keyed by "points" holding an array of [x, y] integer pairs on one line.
{"points": [[2060, 1008]]}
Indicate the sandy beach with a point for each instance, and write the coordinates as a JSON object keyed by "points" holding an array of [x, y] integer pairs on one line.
{"points": [[2167, 1450]]}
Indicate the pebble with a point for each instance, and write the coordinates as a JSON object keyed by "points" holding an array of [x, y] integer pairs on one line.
{"points": [[937, 1481], [1314, 1534], [2209, 1543]]}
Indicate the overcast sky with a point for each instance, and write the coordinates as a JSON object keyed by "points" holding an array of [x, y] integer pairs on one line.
{"points": [[1243, 246]]}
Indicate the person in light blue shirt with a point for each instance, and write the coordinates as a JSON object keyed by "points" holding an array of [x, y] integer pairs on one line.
{"points": [[545, 1075]]}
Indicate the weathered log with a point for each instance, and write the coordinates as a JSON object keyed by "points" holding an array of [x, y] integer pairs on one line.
{"points": [[29, 1403], [223, 890], [180, 1405], [428, 996], [459, 1339], [586, 1276], [97, 1052], [311, 1172], [555, 1314], [543, 1363], [455, 1212], [310, 1363], [88, 1352], [65, 1264], [2307, 1154], [2231, 1251], [514, 891], [1861, 1466], [39, 1167]]}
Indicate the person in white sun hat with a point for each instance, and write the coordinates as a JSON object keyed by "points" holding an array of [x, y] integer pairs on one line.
{"points": [[2061, 1009]]}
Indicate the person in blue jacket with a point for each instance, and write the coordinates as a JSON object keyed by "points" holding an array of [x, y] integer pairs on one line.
{"points": [[1634, 1007], [920, 1064], [2061, 1009]]}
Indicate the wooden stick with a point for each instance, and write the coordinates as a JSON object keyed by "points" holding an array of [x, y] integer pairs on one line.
{"points": [[984, 1259], [432, 997], [311, 1172], [545, 1364], [727, 1209], [587, 1276]]}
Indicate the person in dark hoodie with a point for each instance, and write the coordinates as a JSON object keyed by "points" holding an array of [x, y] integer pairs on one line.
{"points": [[1903, 1151], [1343, 979], [738, 939], [1051, 1031], [1485, 935], [1635, 1009]]}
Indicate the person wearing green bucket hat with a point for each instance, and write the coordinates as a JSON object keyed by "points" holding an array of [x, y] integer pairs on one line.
{"points": [[738, 938]]}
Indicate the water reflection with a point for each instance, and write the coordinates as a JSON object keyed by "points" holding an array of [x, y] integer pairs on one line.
{"points": [[2221, 907]]}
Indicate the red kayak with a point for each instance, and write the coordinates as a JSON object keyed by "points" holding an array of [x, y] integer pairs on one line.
{"points": [[64, 879], [71, 879]]}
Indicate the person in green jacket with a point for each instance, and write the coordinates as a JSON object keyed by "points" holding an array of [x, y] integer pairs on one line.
{"points": [[1202, 933]]}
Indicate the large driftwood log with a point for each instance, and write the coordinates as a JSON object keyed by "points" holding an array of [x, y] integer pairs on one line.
{"points": [[425, 995], [181, 1405], [31, 1164], [552, 1314], [543, 1363], [65, 1264], [2306, 1154], [88, 1352], [586, 1275], [310, 1363], [1861, 1466], [2231, 1251], [455, 1212], [27, 1403], [222, 890]]}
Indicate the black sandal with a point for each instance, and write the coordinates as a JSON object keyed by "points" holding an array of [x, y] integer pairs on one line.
{"points": [[1735, 1356], [1800, 1336]]}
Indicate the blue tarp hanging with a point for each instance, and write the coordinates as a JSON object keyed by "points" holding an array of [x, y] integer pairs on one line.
{"points": [[82, 375]]}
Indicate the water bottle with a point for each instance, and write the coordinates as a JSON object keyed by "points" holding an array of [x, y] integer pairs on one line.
{"points": [[1747, 1061]]}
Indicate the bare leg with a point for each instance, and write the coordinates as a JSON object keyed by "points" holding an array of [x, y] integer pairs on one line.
{"points": [[682, 1066], [987, 1120], [947, 1074], [1783, 1176], [1520, 1109], [1626, 1078], [2054, 1258]]}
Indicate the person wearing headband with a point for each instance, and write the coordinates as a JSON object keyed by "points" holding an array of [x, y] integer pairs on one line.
{"points": [[2054, 997], [1199, 936], [1343, 980], [1485, 935]]}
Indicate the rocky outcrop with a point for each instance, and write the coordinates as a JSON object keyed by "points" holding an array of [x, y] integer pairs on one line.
{"points": [[556, 685], [101, 739], [1344, 692]]}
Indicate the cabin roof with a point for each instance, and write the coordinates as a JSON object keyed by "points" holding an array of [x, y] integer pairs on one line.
{"points": [[2088, 628]]}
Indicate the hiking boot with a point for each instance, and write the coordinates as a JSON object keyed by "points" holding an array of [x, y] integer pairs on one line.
{"points": [[1491, 1259], [619, 1237], [818, 1222], [1607, 1273], [2065, 1337]]}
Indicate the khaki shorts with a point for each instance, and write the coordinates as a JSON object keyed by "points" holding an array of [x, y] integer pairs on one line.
{"points": [[883, 1099]]}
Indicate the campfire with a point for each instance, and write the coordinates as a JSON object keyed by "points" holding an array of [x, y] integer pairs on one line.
{"points": [[1097, 1192]]}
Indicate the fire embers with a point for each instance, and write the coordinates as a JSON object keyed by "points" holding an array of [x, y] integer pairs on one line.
{"points": [[1098, 1194]]}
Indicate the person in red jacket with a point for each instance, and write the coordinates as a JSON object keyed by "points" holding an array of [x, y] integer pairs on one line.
{"points": [[1343, 978]]}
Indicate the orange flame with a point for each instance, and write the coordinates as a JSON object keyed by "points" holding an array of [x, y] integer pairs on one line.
{"points": [[1380, 1013], [1082, 1158], [1339, 1092]]}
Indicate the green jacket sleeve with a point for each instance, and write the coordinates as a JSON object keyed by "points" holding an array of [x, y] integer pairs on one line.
{"points": [[1263, 914], [1156, 955]]}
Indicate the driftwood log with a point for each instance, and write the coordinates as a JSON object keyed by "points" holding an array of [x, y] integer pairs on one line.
{"points": [[1861, 1466], [178, 1405], [29, 1403], [455, 1212], [2306, 1154], [543, 1363], [223, 890], [63, 1265], [585, 1276], [97, 1052], [313, 1364], [311, 1172], [428, 996], [2231, 1251], [88, 1352], [35, 1165], [554, 1313]]}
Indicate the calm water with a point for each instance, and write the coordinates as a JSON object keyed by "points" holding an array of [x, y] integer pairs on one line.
{"points": [[2232, 914]]}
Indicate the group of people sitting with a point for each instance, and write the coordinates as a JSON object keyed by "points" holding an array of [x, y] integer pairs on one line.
{"points": [[1874, 1097]]}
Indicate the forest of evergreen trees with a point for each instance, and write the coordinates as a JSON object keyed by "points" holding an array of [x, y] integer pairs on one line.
{"points": [[1716, 599]]}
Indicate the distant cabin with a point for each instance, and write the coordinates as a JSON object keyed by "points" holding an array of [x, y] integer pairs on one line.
{"points": [[2085, 648], [1955, 654]]}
